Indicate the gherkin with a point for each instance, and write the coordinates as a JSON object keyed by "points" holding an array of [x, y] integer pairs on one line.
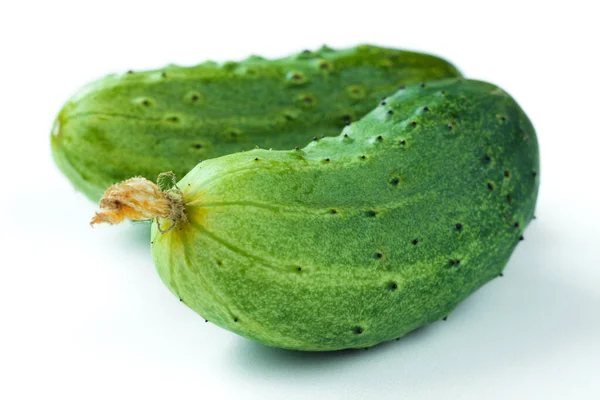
{"points": [[141, 123], [357, 239]]}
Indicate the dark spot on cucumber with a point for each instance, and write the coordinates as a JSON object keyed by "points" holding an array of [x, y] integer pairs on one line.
{"points": [[315, 139], [197, 146], [445, 318], [173, 119], [395, 181], [346, 118], [403, 142], [506, 173], [393, 286], [521, 238], [306, 100], [130, 72], [443, 92], [383, 103], [415, 242], [345, 135], [454, 262], [235, 319], [390, 112], [413, 124], [163, 75], [534, 174], [192, 97], [180, 299], [509, 198], [358, 330], [516, 224], [401, 87], [380, 138], [219, 262], [256, 159], [297, 148], [295, 78], [327, 159], [490, 186], [325, 65], [450, 127], [363, 157], [500, 274], [423, 84], [487, 157], [356, 92], [333, 211], [144, 101], [306, 54], [299, 269], [371, 213], [378, 255], [425, 108]]}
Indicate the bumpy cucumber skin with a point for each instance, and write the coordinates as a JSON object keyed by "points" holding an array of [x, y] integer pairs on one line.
{"points": [[144, 123], [361, 238]]}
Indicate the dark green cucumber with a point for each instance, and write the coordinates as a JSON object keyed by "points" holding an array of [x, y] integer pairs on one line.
{"points": [[360, 238], [143, 123]]}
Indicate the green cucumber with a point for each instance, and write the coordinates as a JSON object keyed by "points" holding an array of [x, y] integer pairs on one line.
{"points": [[143, 123], [361, 238]]}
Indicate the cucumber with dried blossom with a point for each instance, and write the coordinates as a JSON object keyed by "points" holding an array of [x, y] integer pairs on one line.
{"points": [[144, 122], [357, 239]]}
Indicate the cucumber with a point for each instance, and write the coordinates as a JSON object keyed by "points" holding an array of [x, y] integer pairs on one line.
{"points": [[143, 123], [360, 238]]}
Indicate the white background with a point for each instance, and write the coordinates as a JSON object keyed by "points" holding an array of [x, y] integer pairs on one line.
{"points": [[83, 314]]}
